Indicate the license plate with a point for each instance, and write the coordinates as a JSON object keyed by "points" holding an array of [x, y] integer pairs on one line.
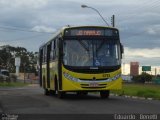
{"points": [[93, 84]]}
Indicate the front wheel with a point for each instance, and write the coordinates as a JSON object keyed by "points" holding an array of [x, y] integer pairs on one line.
{"points": [[61, 94], [52, 92], [104, 94], [46, 92]]}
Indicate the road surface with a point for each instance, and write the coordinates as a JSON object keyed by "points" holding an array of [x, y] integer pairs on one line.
{"points": [[31, 100]]}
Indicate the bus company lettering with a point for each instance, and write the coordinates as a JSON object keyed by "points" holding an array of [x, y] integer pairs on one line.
{"points": [[89, 32]]}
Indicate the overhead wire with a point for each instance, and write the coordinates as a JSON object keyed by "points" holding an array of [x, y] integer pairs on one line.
{"points": [[24, 30], [22, 39], [148, 5], [11, 28]]}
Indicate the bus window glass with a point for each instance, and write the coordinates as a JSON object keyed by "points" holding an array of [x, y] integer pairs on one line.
{"points": [[90, 53], [44, 54]]}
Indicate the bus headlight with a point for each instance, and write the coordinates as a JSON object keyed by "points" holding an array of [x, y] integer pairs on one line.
{"points": [[66, 75], [115, 77]]}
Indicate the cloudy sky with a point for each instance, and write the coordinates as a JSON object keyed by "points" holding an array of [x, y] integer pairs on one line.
{"points": [[29, 23]]}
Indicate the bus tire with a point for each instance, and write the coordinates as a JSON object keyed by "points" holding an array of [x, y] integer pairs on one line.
{"points": [[85, 93], [61, 94], [55, 85], [52, 92], [46, 92], [104, 94]]}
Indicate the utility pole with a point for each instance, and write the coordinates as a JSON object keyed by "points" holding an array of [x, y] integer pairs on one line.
{"points": [[85, 6], [155, 71], [113, 20]]}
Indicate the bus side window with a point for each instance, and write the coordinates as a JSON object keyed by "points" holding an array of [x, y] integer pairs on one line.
{"points": [[49, 51], [40, 55], [53, 50], [44, 54], [51, 55], [56, 47]]}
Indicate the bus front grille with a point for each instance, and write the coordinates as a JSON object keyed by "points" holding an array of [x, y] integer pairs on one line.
{"points": [[93, 85]]}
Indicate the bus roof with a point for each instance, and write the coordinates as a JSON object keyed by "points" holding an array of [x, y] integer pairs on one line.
{"points": [[88, 26], [61, 31]]}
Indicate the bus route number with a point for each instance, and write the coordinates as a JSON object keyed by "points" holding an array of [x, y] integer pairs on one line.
{"points": [[106, 75]]}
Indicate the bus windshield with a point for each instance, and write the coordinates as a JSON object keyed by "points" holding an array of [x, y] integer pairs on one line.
{"points": [[93, 53]]}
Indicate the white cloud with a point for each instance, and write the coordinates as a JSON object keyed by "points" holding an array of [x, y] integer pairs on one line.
{"points": [[139, 52], [23, 3], [134, 18], [153, 30], [106, 2], [43, 29], [143, 56]]}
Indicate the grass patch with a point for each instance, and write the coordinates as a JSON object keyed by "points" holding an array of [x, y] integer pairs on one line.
{"points": [[141, 90], [13, 84]]}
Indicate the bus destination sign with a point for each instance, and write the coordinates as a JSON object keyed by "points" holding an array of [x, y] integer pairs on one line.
{"points": [[91, 32]]}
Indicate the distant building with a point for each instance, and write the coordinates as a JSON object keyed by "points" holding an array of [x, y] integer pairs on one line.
{"points": [[134, 68]]}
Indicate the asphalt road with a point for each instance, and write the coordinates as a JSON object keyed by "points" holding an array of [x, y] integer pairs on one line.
{"points": [[31, 100]]}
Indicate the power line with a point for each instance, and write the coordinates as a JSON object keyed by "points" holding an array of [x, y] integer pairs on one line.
{"points": [[22, 39], [148, 5], [24, 30]]}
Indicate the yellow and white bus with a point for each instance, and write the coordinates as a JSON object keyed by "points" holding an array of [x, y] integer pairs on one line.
{"points": [[81, 59]]}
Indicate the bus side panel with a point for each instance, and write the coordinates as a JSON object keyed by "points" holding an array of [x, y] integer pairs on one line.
{"points": [[44, 76], [52, 72], [52, 75], [48, 73], [59, 63]]}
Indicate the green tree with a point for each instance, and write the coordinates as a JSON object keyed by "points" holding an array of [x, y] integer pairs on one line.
{"points": [[7, 59], [144, 77]]}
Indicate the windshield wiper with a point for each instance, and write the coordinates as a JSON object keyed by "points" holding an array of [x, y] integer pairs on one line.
{"points": [[100, 46], [84, 46]]}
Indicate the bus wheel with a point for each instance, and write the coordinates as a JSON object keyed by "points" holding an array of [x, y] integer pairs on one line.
{"points": [[46, 92], [85, 93], [61, 94], [56, 85], [52, 92], [104, 94]]}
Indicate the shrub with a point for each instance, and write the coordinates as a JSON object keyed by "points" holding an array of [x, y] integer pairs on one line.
{"points": [[13, 77], [144, 77], [1, 79]]}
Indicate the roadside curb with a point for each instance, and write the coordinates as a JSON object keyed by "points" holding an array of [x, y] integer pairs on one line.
{"points": [[1, 111], [134, 97]]}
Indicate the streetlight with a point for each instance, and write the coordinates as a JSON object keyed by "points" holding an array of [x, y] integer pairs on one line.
{"points": [[85, 6]]}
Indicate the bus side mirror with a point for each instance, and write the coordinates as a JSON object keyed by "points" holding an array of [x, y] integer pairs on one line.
{"points": [[122, 49]]}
